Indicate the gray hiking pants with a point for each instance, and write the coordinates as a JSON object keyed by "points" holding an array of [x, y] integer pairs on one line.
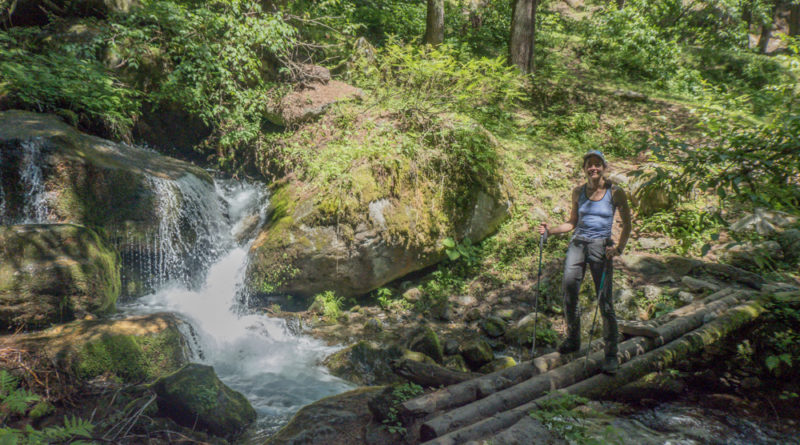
{"points": [[581, 252]]}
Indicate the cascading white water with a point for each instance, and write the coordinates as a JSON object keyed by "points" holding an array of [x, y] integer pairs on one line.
{"points": [[252, 353], [2, 193], [35, 201]]}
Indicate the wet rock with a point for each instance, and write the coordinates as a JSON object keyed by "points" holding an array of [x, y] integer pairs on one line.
{"points": [[658, 386], [133, 350], [527, 431], [426, 341], [477, 353], [451, 346], [364, 363], [336, 420], [494, 326], [697, 285], [54, 273], [497, 364], [195, 397]]}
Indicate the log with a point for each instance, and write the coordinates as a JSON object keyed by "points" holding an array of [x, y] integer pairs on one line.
{"points": [[637, 328], [429, 375], [568, 374], [471, 390], [660, 358]]}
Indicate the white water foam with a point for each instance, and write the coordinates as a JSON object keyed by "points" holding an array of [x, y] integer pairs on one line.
{"points": [[277, 371], [35, 208]]}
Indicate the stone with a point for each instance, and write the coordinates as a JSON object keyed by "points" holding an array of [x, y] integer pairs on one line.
{"points": [[364, 363], [494, 326], [654, 243], [498, 364], [643, 264], [697, 285], [341, 419], [125, 192], [302, 251], [426, 341], [133, 350], [412, 295], [195, 397], [456, 363], [473, 314], [373, 325], [752, 256], [451, 346], [310, 102], [789, 241], [527, 431], [477, 353], [651, 292], [466, 300], [54, 273], [505, 314], [764, 222], [685, 297]]}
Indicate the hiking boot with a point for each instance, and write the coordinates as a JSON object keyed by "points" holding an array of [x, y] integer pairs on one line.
{"points": [[610, 364], [569, 345]]}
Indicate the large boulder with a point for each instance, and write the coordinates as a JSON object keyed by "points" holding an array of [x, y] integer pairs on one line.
{"points": [[51, 273], [336, 420], [136, 349], [194, 396], [318, 240], [790, 244], [156, 211]]}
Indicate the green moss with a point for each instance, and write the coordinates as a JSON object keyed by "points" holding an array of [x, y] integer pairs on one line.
{"points": [[131, 358]]}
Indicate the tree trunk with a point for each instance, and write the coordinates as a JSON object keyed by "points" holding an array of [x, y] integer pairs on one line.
{"points": [[472, 390], [766, 31], [523, 35], [568, 374], [434, 24], [665, 356]]}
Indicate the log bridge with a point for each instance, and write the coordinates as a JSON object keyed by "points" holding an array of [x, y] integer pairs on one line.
{"points": [[490, 405]]}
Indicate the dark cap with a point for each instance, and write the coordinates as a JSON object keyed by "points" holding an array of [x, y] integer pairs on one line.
{"points": [[597, 153]]}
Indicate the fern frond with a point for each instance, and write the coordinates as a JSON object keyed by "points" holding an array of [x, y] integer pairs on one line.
{"points": [[8, 383]]}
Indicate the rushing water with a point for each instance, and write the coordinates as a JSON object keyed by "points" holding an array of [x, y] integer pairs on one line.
{"points": [[254, 354]]}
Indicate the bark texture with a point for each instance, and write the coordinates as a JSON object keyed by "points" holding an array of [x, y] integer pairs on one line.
{"points": [[523, 34], [434, 24]]}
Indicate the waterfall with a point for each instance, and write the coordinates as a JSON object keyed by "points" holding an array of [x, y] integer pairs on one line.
{"points": [[34, 209], [252, 353], [2, 193]]}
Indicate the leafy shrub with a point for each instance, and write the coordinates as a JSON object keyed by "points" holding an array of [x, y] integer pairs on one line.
{"points": [[329, 304], [400, 393], [779, 337], [76, 86], [691, 228]]}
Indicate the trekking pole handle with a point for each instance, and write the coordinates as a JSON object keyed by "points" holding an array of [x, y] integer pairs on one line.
{"points": [[543, 239]]}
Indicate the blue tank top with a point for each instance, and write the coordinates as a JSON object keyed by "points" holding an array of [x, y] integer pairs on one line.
{"points": [[595, 217]]}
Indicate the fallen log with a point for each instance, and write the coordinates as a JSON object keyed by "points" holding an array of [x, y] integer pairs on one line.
{"points": [[568, 374], [430, 375], [635, 328], [471, 390], [660, 358]]}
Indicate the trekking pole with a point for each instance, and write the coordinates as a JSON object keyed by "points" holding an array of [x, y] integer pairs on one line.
{"points": [[594, 318], [542, 240]]}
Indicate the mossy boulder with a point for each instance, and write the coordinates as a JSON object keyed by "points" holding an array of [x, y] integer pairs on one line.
{"points": [[53, 273], [317, 239], [493, 326], [477, 353], [195, 396], [52, 173], [498, 364], [364, 363], [132, 350], [342, 419], [426, 341]]}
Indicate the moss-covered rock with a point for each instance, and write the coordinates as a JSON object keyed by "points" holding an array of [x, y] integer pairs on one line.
{"points": [[456, 363], [477, 353], [195, 396], [494, 326], [336, 420], [357, 222], [364, 363], [426, 341], [50, 172], [132, 350], [498, 364], [51, 273]]}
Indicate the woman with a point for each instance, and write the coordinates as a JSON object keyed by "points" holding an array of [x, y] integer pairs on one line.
{"points": [[592, 215]]}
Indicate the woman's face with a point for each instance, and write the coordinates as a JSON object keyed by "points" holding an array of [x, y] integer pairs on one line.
{"points": [[593, 167]]}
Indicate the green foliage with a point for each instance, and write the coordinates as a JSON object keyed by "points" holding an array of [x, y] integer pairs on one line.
{"points": [[546, 336], [330, 304], [16, 401], [479, 29], [64, 81], [559, 414], [690, 228], [400, 393], [779, 336]]}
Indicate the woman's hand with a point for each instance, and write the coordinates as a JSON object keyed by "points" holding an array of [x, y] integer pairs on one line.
{"points": [[543, 229]]}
